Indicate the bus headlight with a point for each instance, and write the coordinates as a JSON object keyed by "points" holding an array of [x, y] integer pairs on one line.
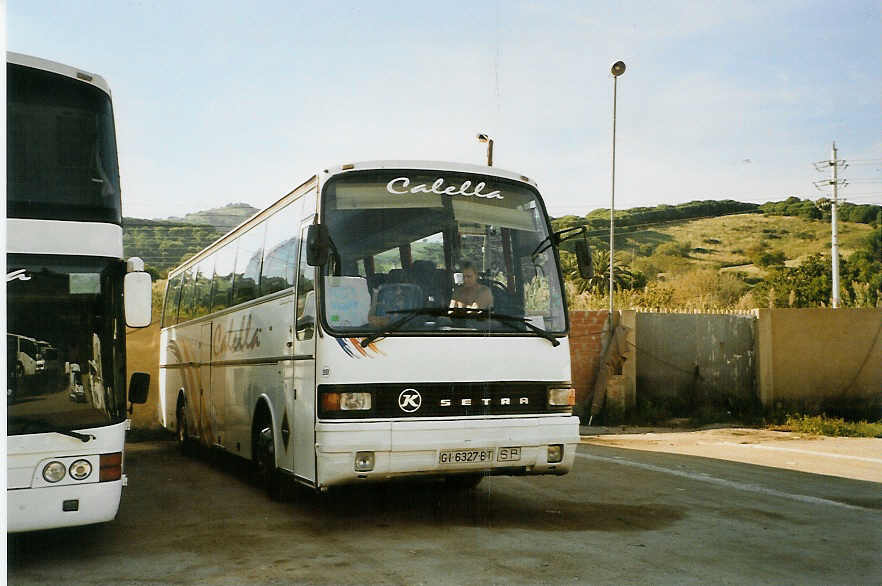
{"points": [[364, 461], [555, 453], [80, 469], [561, 397], [53, 471], [346, 402], [355, 401]]}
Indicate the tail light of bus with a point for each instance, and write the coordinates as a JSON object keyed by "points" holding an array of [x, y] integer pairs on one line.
{"points": [[110, 466], [346, 402], [561, 397]]}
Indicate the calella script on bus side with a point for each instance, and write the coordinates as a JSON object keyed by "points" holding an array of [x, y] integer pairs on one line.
{"points": [[235, 339], [401, 186]]}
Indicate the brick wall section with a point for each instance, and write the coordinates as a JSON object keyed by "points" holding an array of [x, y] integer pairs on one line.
{"points": [[586, 345]]}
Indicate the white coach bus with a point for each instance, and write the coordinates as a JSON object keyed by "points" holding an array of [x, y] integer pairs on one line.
{"points": [[383, 320], [69, 297]]}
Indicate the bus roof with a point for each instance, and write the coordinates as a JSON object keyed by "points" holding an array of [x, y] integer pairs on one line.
{"points": [[429, 166], [341, 170], [59, 68]]}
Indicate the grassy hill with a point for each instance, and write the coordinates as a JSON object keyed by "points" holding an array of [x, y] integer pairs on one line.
{"points": [[735, 243], [737, 261], [164, 243]]}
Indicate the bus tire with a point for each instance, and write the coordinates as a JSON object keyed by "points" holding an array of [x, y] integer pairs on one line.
{"points": [[264, 459]]}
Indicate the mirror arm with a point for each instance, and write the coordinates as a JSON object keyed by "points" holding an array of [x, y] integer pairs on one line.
{"points": [[559, 235]]}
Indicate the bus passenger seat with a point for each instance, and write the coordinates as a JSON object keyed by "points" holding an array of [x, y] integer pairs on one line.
{"points": [[395, 276], [398, 296], [422, 273]]}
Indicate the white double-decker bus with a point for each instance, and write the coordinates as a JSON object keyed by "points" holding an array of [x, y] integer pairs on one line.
{"points": [[69, 297], [383, 320]]}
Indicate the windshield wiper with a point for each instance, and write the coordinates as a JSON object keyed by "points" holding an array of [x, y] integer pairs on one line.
{"points": [[409, 314], [457, 313], [513, 319], [83, 437], [554, 240]]}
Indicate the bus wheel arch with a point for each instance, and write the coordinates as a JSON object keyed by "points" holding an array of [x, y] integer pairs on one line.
{"points": [[263, 450]]}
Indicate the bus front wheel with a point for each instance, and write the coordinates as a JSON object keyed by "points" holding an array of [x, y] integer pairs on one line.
{"points": [[264, 455], [183, 432]]}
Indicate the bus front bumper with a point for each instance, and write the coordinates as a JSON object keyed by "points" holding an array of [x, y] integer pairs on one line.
{"points": [[33, 509], [413, 448]]}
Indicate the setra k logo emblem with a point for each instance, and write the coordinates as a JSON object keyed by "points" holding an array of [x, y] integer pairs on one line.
{"points": [[410, 400]]}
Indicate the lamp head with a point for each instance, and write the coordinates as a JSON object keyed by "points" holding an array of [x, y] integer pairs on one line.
{"points": [[483, 138], [618, 68]]}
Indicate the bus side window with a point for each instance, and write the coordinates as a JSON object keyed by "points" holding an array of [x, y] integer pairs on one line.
{"points": [[202, 301], [188, 293], [172, 295], [280, 254], [248, 265], [305, 296], [222, 285]]}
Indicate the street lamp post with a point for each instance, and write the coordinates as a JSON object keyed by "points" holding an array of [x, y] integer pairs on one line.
{"points": [[489, 141], [617, 69]]}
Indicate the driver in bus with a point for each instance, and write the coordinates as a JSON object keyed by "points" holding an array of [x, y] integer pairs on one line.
{"points": [[471, 294]]}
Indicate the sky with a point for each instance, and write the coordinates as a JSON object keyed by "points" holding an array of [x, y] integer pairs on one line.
{"points": [[219, 102]]}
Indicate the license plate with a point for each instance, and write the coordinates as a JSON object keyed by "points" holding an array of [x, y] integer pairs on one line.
{"points": [[509, 454], [473, 456]]}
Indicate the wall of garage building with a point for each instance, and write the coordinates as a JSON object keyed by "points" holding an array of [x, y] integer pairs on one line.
{"points": [[798, 360]]}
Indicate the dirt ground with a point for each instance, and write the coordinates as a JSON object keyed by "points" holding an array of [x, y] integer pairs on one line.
{"points": [[856, 458]]}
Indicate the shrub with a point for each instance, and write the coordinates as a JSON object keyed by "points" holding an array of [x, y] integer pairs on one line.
{"points": [[769, 258], [831, 426], [675, 248]]}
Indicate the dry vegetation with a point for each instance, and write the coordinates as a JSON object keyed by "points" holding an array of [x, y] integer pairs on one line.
{"points": [[716, 263]]}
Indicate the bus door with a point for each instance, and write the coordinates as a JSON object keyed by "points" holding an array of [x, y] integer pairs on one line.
{"points": [[304, 365]]}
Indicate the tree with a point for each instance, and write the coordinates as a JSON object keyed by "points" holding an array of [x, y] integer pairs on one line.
{"points": [[598, 282]]}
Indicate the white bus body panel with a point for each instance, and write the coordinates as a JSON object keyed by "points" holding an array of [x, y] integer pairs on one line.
{"points": [[35, 504], [59, 237], [225, 365], [444, 358], [411, 446], [59, 68]]}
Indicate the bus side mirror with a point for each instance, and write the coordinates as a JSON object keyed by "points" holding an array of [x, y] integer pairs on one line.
{"points": [[584, 260], [139, 384], [137, 295], [317, 245]]}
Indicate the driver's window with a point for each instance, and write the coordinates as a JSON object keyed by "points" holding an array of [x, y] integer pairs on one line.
{"points": [[305, 326]]}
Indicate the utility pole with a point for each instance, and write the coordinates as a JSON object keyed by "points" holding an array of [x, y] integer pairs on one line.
{"points": [[834, 163], [617, 69]]}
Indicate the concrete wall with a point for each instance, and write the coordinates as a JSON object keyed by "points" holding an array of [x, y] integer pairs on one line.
{"points": [[821, 360], [695, 360]]}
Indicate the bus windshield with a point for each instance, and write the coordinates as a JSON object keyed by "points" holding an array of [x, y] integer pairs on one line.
{"points": [[407, 244], [61, 160], [65, 353]]}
